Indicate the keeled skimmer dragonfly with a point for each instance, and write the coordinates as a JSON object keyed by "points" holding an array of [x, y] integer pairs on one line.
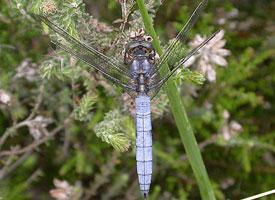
{"points": [[139, 76]]}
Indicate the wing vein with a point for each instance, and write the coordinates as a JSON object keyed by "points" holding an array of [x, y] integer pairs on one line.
{"points": [[182, 35], [82, 58], [72, 39], [194, 51]]}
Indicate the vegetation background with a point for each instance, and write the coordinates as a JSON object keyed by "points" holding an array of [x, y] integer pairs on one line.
{"points": [[67, 133]]}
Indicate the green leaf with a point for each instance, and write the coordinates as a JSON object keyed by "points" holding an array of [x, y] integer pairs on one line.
{"points": [[80, 161], [114, 130], [68, 166], [82, 112], [186, 75]]}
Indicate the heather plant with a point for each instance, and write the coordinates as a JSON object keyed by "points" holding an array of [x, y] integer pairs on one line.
{"points": [[67, 133]]}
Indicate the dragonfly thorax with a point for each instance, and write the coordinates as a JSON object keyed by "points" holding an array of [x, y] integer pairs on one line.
{"points": [[138, 48], [140, 55], [140, 70]]}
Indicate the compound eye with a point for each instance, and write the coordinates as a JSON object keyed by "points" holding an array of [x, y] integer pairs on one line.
{"points": [[148, 38]]}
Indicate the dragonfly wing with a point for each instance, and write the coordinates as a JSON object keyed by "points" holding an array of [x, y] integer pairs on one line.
{"points": [[107, 66], [181, 37], [86, 57], [156, 85], [153, 91]]}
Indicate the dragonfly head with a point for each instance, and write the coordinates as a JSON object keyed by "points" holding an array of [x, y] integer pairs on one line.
{"points": [[139, 47]]}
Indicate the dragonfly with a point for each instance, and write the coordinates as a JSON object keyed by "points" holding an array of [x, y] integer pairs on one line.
{"points": [[138, 75]]}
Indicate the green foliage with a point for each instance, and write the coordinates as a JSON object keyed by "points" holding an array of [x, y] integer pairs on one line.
{"points": [[82, 112], [59, 67], [187, 75], [114, 130]]}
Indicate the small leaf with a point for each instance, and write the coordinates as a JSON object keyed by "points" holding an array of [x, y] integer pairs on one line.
{"points": [[82, 112], [114, 130], [80, 161], [191, 76]]}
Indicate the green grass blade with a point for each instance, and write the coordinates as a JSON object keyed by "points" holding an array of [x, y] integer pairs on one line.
{"points": [[185, 130]]}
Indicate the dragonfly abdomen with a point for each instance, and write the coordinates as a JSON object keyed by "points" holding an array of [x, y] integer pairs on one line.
{"points": [[144, 155]]}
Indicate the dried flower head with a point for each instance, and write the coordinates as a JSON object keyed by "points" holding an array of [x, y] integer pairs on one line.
{"points": [[227, 17], [226, 114], [63, 190], [37, 126], [74, 5], [100, 26], [211, 54], [128, 104], [48, 7], [226, 183], [27, 70], [5, 98], [235, 127], [230, 130]]}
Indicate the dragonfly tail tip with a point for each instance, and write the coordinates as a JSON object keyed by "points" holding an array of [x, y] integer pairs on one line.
{"points": [[145, 195]]}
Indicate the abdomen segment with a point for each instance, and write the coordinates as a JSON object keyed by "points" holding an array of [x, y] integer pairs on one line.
{"points": [[144, 155]]}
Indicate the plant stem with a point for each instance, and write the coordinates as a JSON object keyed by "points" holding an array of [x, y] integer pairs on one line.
{"points": [[185, 130]]}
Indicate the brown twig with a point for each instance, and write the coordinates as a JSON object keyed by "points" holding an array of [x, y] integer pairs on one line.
{"points": [[125, 15], [33, 176], [132, 191], [66, 143], [102, 178], [7, 169], [38, 102], [38, 142], [10, 130], [25, 122]]}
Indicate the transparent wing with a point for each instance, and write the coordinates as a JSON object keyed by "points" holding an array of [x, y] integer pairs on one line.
{"points": [[84, 56], [110, 68], [181, 37], [157, 83]]}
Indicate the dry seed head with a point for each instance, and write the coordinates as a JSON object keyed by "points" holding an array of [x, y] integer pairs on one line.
{"points": [[5, 98], [48, 7], [213, 53]]}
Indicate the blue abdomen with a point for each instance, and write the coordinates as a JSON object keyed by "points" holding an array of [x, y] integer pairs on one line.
{"points": [[144, 155]]}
